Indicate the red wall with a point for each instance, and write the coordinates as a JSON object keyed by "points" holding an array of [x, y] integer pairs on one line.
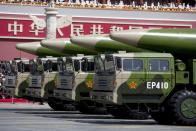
{"points": [[8, 50]]}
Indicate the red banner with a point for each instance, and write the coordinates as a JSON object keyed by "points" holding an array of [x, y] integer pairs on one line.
{"points": [[22, 26]]}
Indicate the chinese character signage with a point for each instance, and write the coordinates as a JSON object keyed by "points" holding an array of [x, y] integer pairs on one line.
{"points": [[33, 27]]}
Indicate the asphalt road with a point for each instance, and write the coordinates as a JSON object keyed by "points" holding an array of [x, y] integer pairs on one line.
{"points": [[34, 117]]}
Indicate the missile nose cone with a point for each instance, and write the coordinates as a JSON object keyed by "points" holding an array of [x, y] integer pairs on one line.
{"points": [[55, 44], [28, 47], [129, 36]]}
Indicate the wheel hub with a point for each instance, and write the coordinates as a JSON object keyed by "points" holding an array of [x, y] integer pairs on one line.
{"points": [[188, 108]]}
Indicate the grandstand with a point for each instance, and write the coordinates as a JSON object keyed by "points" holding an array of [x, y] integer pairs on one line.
{"points": [[143, 5]]}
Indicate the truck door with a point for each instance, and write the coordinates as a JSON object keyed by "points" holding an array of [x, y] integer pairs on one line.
{"points": [[133, 79], [159, 78]]}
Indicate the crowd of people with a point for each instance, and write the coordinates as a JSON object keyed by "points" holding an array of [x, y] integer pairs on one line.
{"points": [[2, 78], [154, 5]]}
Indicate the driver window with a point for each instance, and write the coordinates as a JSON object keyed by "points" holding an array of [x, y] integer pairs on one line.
{"points": [[132, 65]]}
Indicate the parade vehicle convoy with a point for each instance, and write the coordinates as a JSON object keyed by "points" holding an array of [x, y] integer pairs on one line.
{"points": [[16, 76], [154, 83], [41, 79], [74, 83]]}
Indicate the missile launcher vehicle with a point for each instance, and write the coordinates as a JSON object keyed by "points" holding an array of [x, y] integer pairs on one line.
{"points": [[74, 83], [154, 83], [16, 76], [41, 79]]}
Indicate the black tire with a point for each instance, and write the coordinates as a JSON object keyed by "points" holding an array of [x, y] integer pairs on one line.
{"points": [[59, 105], [55, 106], [90, 108], [84, 108], [118, 112], [183, 107]]}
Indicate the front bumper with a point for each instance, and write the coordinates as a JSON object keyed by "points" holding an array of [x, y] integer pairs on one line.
{"points": [[33, 92], [10, 91], [104, 97]]}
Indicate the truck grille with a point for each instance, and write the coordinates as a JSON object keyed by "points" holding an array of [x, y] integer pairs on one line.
{"points": [[64, 82], [34, 81], [104, 82], [10, 81]]}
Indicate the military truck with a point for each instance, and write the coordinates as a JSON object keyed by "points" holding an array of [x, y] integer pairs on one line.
{"points": [[16, 75], [154, 83], [74, 83], [41, 79]]}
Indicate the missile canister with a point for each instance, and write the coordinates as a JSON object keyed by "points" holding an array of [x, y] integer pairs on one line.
{"points": [[179, 42], [36, 49], [104, 44], [65, 46]]}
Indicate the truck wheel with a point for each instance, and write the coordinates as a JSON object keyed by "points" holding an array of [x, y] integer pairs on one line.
{"points": [[86, 108], [55, 106], [183, 107], [118, 112]]}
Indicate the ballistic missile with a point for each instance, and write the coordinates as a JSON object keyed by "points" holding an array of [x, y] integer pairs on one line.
{"points": [[65, 46], [104, 44], [179, 42], [36, 49]]}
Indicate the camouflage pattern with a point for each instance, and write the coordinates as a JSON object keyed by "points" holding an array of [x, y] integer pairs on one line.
{"points": [[41, 86], [122, 86], [41, 83], [179, 42], [66, 47], [16, 83], [74, 86], [36, 49], [104, 44]]}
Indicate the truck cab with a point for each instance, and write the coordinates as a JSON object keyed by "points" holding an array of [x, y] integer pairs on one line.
{"points": [[124, 78], [41, 79], [75, 81], [16, 76], [126, 82]]}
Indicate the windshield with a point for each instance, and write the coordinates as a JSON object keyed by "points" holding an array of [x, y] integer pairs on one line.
{"points": [[14, 69], [99, 64], [21, 66], [109, 63], [48, 66], [61, 65], [104, 65], [39, 66], [32, 66], [69, 65], [87, 65]]}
